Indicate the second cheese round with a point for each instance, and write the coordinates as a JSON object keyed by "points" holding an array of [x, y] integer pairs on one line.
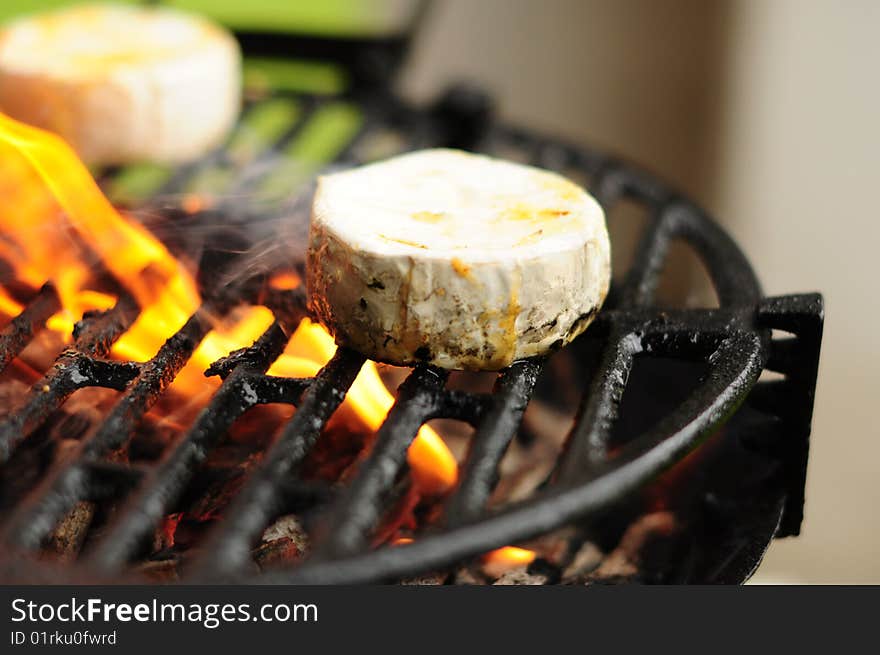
{"points": [[455, 259], [122, 83]]}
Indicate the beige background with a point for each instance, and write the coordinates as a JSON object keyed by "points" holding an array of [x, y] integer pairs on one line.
{"points": [[767, 112]]}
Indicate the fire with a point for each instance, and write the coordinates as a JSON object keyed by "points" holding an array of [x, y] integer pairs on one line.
{"points": [[222, 340], [56, 221], [284, 281], [56, 225], [495, 562], [9, 306], [498, 562], [433, 466], [509, 556]]}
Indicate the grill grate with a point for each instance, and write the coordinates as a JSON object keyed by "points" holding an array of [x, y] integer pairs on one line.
{"points": [[734, 340]]}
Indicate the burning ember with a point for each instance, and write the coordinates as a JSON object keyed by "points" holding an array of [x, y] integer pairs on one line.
{"points": [[58, 227], [506, 559]]}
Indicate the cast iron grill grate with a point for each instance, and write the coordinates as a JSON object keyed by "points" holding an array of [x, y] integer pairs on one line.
{"points": [[734, 341]]}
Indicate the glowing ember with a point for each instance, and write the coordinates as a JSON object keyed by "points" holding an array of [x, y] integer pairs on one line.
{"points": [[510, 555], [285, 281], [193, 203], [501, 560], [495, 562]]}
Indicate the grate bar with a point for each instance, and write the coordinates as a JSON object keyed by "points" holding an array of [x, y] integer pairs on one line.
{"points": [[262, 495], [72, 370], [143, 512], [609, 186], [463, 406], [798, 358], [731, 274], [641, 282], [32, 522], [350, 522], [717, 396], [154, 377], [479, 473], [730, 383], [588, 441], [20, 330]]}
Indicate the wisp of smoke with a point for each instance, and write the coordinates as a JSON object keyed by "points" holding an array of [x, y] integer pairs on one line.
{"points": [[240, 237]]}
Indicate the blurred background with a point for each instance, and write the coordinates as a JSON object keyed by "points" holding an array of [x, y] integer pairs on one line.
{"points": [[765, 111]]}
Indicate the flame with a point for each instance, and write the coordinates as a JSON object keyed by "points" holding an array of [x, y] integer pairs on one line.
{"points": [[55, 221], [56, 225], [284, 281], [495, 562], [498, 562], [9, 306], [433, 467], [509, 557], [222, 340]]}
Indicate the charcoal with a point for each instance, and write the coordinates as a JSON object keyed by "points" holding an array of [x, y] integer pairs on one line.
{"points": [[161, 571], [624, 562], [277, 552], [68, 537], [288, 527], [466, 575], [587, 558], [521, 576]]}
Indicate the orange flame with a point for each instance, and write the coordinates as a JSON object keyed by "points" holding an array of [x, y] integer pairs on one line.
{"points": [[498, 562], [284, 281], [55, 217], [55, 225], [495, 562], [511, 556], [433, 466]]}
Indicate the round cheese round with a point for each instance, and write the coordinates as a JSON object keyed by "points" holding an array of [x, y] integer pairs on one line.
{"points": [[122, 83], [455, 259]]}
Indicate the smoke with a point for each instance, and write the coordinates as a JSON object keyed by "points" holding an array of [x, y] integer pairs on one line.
{"points": [[240, 237]]}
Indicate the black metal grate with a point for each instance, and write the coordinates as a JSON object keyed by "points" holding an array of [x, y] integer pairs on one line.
{"points": [[734, 341]]}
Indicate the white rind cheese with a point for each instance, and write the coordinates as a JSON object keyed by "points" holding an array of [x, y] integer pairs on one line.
{"points": [[120, 83], [455, 259]]}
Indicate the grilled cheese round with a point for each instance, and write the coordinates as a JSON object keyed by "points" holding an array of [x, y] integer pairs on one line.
{"points": [[455, 259], [122, 83]]}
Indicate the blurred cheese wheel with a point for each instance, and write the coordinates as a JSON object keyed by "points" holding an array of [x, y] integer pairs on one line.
{"points": [[122, 83]]}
